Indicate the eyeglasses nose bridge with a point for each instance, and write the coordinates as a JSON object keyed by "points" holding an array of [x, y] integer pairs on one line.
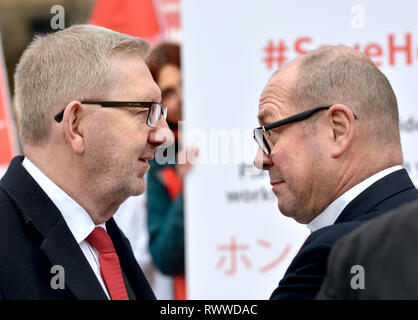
{"points": [[162, 114], [161, 122]]}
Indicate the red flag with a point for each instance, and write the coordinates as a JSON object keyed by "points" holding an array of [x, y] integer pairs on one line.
{"points": [[7, 132], [135, 17]]}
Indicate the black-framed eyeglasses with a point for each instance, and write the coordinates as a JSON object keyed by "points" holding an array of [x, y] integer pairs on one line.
{"points": [[156, 110], [259, 132]]}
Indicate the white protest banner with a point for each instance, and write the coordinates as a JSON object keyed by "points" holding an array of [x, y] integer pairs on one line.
{"points": [[238, 244]]}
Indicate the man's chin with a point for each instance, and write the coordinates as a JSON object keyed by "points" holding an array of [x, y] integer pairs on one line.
{"points": [[284, 211], [289, 211], [139, 187]]}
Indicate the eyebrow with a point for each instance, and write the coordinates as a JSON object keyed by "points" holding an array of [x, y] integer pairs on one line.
{"points": [[154, 97], [148, 98], [265, 112]]}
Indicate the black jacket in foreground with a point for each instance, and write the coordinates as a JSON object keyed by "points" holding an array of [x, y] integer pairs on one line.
{"points": [[386, 250], [307, 271], [34, 237]]}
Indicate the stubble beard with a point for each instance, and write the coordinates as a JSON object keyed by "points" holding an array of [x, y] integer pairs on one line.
{"points": [[115, 176]]}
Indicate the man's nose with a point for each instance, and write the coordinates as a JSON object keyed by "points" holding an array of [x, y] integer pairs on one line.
{"points": [[262, 161], [161, 135]]}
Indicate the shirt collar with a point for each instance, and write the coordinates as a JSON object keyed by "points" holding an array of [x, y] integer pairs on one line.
{"points": [[331, 213], [78, 220]]}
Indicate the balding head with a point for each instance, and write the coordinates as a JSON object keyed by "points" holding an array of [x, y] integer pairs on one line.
{"points": [[331, 75], [314, 161]]}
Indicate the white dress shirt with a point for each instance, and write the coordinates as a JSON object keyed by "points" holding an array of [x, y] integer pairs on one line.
{"points": [[332, 212], [78, 220]]}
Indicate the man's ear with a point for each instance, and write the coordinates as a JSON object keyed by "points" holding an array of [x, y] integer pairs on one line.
{"points": [[73, 131], [341, 124]]}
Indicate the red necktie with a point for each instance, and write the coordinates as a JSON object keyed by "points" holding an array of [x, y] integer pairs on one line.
{"points": [[109, 264]]}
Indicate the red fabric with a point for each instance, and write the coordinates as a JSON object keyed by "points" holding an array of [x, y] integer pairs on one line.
{"points": [[7, 138], [172, 182], [174, 186], [109, 264], [134, 17], [179, 287]]}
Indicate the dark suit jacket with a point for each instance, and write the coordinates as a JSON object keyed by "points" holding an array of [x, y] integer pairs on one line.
{"points": [[386, 249], [34, 237], [306, 273]]}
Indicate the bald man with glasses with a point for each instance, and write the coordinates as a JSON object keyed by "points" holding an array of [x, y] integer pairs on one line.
{"points": [[329, 138]]}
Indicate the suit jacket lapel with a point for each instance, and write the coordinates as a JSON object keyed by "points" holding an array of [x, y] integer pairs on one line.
{"points": [[130, 266], [57, 242], [384, 188], [62, 249]]}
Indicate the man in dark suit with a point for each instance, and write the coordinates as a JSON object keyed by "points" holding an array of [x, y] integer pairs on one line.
{"points": [[376, 261], [329, 138], [83, 158]]}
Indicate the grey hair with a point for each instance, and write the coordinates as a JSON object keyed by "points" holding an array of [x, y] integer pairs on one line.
{"points": [[63, 66], [338, 74]]}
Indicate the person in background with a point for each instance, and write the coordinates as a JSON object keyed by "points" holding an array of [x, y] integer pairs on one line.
{"points": [[165, 181]]}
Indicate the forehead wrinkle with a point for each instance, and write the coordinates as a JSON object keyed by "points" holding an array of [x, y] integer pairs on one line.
{"points": [[271, 103], [282, 82]]}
